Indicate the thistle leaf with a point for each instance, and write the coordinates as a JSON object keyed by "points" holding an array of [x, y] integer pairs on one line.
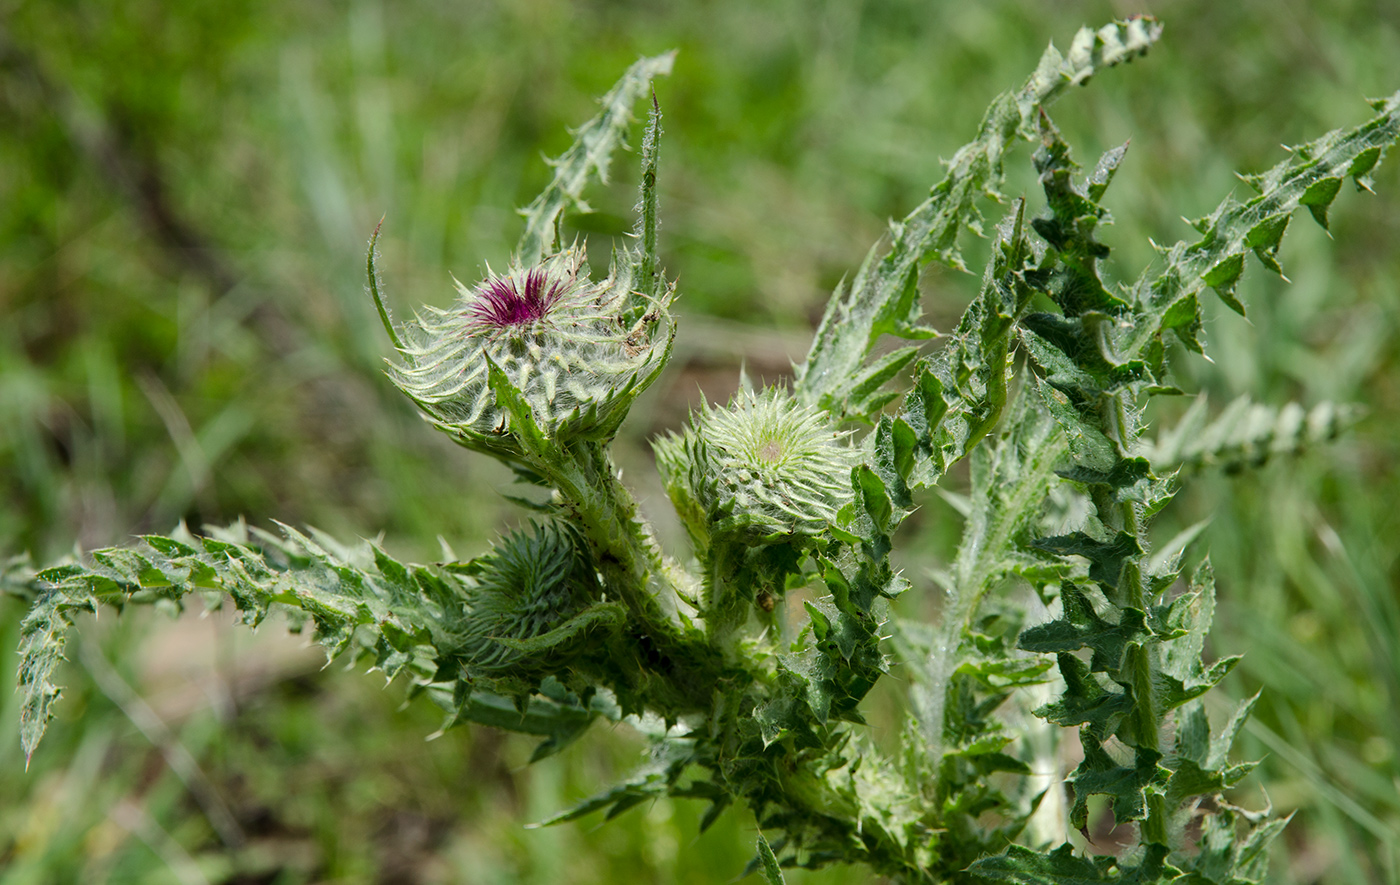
{"points": [[772, 873], [669, 758], [1081, 627], [1062, 867], [355, 599], [1246, 435], [883, 297], [589, 156], [446, 626], [644, 256], [959, 394], [1125, 785], [1311, 177], [560, 723], [1228, 856]]}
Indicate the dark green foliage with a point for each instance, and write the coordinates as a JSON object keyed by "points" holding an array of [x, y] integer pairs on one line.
{"points": [[1062, 867], [1145, 661]]}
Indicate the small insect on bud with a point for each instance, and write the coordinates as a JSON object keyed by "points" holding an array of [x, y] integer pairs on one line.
{"points": [[562, 340], [763, 470]]}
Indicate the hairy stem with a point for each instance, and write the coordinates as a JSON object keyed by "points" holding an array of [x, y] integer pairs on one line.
{"points": [[978, 564], [638, 573]]}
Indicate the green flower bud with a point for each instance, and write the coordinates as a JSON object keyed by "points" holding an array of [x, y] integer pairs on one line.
{"points": [[577, 351], [529, 584], [764, 470]]}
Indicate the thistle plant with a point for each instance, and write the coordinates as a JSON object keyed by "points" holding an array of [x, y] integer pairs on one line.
{"points": [[747, 660]]}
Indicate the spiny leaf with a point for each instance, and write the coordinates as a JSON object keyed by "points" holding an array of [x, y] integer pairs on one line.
{"points": [[560, 723], [446, 625], [1189, 779], [1246, 434], [1221, 743], [1069, 225], [1062, 867], [1081, 627], [772, 873], [669, 758], [1106, 558], [590, 154], [1125, 785], [1311, 177], [866, 393], [1228, 857], [1009, 484], [1086, 702], [883, 297], [648, 264], [959, 394], [358, 598]]}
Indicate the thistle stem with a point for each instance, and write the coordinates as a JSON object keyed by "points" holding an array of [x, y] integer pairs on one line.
{"points": [[635, 570]]}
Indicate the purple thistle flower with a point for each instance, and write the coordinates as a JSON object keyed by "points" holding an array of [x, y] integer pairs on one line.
{"points": [[503, 302]]}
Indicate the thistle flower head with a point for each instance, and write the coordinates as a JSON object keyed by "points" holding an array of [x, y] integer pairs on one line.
{"points": [[576, 351], [764, 469], [501, 303]]}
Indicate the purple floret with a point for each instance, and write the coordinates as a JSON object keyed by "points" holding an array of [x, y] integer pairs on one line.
{"points": [[500, 303]]}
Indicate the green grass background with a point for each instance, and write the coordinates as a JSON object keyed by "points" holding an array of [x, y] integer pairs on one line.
{"points": [[185, 195]]}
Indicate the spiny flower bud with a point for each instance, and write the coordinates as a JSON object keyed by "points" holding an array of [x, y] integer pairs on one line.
{"points": [[577, 351], [529, 584], [764, 469]]}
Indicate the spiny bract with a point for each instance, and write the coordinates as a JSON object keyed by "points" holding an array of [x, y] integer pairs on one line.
{"points": [[560, 339], [764, 468], [530, 583]]}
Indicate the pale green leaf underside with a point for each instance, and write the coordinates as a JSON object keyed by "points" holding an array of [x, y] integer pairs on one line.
{"points": [[357, 600], [1245, 434], [772, 873]]}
